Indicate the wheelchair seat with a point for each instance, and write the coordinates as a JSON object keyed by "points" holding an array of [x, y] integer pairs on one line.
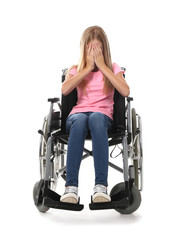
{"points": [[118, 125]]}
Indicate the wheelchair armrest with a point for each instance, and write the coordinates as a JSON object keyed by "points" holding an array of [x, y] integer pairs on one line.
{"points": [[129, 99], [128, 115], [53, 100], [49, 120]]}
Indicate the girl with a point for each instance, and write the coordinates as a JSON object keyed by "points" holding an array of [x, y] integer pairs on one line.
{"points": [[95, 78]]}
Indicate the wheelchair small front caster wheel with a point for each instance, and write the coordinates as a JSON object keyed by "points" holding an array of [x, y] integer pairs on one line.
{"points": [[135, 198], [38, 198]]}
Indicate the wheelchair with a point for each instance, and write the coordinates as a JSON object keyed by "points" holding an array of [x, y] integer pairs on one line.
{"points": [[126, 131]]}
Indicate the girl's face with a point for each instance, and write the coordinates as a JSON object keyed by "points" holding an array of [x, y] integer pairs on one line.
{"points": [[94, 43]]}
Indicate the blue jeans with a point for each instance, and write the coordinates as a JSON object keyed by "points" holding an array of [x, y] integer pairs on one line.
{"points": [[77, 126]]}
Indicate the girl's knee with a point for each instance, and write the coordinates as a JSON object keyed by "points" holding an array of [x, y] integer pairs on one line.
{"points": [[97, 120], [78, 120]]}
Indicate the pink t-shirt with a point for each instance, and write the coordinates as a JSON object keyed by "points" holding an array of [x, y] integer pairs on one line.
{"points": [[95, 100]]}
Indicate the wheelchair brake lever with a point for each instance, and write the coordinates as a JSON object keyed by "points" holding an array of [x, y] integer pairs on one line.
{"points": [[137, 131], [41, 133], [136, 135]]}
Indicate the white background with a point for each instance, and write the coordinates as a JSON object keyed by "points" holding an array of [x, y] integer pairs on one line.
{"points": [[39, 39]]}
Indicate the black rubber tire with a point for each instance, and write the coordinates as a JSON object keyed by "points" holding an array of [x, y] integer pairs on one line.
{"points": [[135, 200], [39, 206]]}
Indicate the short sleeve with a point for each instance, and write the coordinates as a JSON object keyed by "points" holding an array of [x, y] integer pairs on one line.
{"points": [[116, 68], [73, 71]]}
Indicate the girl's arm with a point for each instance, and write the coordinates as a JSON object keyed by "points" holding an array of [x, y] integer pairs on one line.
{"points": [[117, 81], [73, 80]]}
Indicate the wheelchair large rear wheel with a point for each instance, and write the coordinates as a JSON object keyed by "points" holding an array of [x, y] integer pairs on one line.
{"points": [[138, 150], [135, 198], [42, 149], [42, 157]]}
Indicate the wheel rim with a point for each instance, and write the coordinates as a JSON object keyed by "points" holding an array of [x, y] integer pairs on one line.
{"points": [[42, 150], [138, 157], [57, 161]]}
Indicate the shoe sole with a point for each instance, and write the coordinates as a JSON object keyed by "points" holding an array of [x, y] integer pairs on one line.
{"points": [[100, 199], [69, 200]]}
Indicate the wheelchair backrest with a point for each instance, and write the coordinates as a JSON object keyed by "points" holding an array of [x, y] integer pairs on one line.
{"points": [[70, 100]]}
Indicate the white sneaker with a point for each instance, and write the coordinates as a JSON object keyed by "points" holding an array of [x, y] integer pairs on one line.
{"points": [[70, 195], [100, 194]]}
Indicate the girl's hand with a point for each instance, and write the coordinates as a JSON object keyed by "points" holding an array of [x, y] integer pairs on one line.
{"points": [[98, 57], [90, 58]]}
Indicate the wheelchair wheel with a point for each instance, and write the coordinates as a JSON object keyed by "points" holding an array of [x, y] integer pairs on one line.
{"points": [[56, 163], [135, 198], [38, 198], [42, 149], [138, 152]]}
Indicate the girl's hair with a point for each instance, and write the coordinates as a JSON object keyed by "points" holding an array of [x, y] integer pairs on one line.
{"points": [[91, 33]]}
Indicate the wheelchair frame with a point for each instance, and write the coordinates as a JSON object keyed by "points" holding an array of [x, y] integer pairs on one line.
{"points": [[125, 197]]}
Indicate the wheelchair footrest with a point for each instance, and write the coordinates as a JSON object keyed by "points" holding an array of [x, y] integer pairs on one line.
{"points": [[52, 200], [109, 205]]}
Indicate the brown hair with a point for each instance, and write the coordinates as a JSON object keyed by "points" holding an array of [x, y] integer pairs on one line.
{"points": [[91, 33]]}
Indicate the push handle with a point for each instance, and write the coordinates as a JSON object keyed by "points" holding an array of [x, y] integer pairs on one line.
{"points": [[53, 100]]}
